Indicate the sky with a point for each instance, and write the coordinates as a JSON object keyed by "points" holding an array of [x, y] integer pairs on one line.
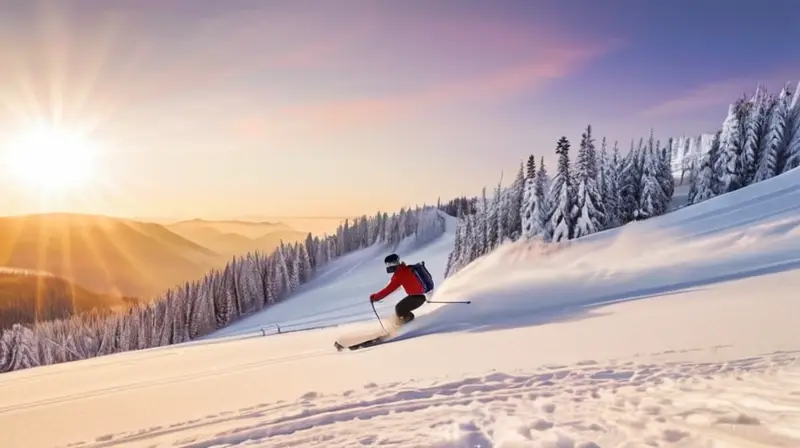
{"points": [[225, 109]]}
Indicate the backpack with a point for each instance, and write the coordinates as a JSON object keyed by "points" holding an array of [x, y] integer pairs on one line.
{"points": [[423, 275]]}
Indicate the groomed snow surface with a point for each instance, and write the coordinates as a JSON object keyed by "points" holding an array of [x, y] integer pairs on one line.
{"points": [[679, 331]]}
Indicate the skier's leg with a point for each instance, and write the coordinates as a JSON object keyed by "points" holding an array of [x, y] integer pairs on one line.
{"points": [[404, 308]]}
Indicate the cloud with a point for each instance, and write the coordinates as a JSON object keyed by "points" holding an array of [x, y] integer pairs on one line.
{"points": [[717, 93], [723, 92], [488, 85]]}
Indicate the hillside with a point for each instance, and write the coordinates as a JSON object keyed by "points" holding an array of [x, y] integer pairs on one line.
{"points": [[245, 228], [236, 237], [676, 331], [102, 254], [29, 297]]}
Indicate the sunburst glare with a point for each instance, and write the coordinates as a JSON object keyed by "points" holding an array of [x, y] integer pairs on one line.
{"points": [[51, 159]]}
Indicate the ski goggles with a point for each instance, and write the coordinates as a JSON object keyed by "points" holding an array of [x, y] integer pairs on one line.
{"points": [[391, 266]]}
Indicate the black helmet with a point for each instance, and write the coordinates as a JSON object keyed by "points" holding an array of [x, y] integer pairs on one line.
{"points": [[391, 262]]}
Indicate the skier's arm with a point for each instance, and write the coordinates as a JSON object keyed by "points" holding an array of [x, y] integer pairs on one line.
{"points": [[394, 283]]}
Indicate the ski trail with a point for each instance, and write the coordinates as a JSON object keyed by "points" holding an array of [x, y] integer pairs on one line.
{"points": [[745, 402]]}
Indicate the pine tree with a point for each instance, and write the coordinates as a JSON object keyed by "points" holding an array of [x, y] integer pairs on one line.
{"points": [[665, 177], [476, 235], [730, 147], [653, 199], [528, 202], [458, 241], [530, 171], [516, 195], [629, 180], [611, 188], [591, 215], [481, 217], [793, 133], [773, 142], [707, 186], [754, 125], [306, 270], [602, 167], [502, 199], [542, 209], [564, 208]]}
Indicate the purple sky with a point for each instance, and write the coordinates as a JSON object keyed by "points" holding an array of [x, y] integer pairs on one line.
{"points": [[226, 108]]}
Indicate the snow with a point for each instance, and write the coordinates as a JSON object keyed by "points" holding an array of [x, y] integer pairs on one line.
{"points": [[340, 291], [676, 331], [685, 152]]}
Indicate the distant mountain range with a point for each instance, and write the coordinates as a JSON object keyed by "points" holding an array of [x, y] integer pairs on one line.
{"points": [[236, 237], [95, 261], [317, 225]]}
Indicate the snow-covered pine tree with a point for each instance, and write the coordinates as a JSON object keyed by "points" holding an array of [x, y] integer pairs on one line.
{"points": [[602, 165], [311, 249], [652, 200], [528, 201], [754, 124], [730, 147], [23, 348], [611, 188], [530, 167], [492, 217], [773, 151], [665, 176], [501, 208], [273, 287], [561, 190], [452, 258], [629, 186], [481, 242], [706, 184], [476, 237], [542, 209], [295, 263], [322, 253], [284, 268], [516, 194], [306, 271], [793, 133], [591, 216]]}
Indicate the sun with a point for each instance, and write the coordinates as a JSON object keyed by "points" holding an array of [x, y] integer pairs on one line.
{"points": [[51, 159]]}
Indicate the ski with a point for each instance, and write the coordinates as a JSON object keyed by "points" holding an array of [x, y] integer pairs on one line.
{"points": [[369, 340], [362, 344]]}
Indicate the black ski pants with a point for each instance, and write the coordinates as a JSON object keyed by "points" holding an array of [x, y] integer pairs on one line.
{"points": [[407, 304]]}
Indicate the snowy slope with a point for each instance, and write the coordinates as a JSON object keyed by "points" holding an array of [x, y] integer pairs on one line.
{"points": [[677, 331], [340, 291]]}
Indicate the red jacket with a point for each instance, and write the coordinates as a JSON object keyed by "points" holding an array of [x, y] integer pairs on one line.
{"points": [[404, 277]]}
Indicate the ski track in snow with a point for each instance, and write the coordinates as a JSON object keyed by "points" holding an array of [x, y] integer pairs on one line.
{"points": [[744, 402]]}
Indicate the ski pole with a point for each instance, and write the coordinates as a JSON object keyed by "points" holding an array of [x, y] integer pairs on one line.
{"points": [[378, 316], [453, 301]]}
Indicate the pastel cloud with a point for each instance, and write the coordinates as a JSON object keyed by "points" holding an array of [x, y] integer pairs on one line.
{"points": [[718, 93], [457, 63], [493, 86]]}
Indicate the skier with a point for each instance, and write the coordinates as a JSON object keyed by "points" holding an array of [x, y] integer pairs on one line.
{"points": [[403, 275]]}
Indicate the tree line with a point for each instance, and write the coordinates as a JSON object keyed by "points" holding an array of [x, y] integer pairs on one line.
{"points": [[759, 139], [598, 191], [244, 286]]}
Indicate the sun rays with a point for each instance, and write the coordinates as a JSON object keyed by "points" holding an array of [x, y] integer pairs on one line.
{"points": [[50, 160]]}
